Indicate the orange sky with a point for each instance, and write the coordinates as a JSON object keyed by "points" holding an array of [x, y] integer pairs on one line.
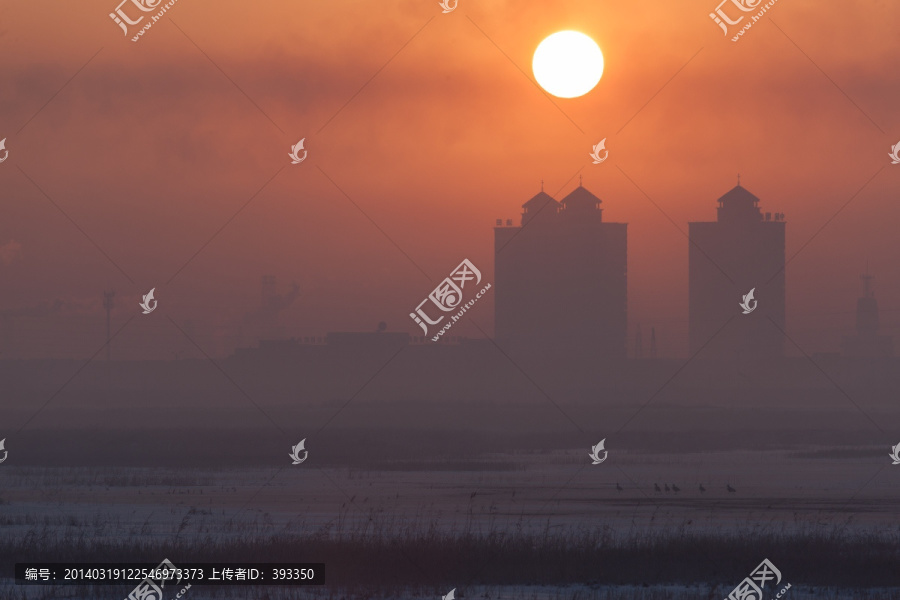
{"points": [[151, 148]]}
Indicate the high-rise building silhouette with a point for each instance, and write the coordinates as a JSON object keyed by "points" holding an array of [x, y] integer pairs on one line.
{"points": [[867, 343], [742, 250], [561, 280]]}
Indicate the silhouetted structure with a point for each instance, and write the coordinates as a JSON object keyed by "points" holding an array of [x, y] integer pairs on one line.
{"points": [[108, 305], [743, 249], [362, 340], [867, 343], [271, 306], [561, 280]]}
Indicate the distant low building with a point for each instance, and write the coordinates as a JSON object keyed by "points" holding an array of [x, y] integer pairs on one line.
{"points": [[367, 340]]}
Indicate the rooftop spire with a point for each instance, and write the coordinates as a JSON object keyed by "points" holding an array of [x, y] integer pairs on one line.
{"points": [[739, 179]]}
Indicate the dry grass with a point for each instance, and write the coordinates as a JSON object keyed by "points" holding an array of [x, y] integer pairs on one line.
{"points": [[382, 554]]}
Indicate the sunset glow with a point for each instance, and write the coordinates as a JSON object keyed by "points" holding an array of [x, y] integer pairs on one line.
{"points": [[449, 299]]}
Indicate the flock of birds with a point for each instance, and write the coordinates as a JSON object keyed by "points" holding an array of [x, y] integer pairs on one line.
{"points": [[675, 488]]}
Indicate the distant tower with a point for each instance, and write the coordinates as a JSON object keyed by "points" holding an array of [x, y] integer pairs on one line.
{"points": [[268, 290], [561, 281], [740, 251], [867, 343], [108, 305], [268, 314], [653, 342], [867, 309]]}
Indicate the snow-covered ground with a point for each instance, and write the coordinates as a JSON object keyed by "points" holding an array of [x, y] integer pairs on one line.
{"points": [[775, 491], [508, 490]]}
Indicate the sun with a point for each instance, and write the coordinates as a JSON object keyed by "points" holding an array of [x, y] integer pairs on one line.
{"points": [[568, 64]]}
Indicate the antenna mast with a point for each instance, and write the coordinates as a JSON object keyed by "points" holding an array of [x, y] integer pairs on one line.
{"points": [[108, 305]]}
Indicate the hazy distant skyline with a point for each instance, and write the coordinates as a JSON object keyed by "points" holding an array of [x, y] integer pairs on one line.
{"points": [[150, 149]]}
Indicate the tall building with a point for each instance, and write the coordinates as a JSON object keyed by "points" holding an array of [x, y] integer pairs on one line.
{"points": [[561, 281], [742, 250], [867, 343]]}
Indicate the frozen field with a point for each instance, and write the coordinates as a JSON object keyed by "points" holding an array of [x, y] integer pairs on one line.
{"points": [[783, 501], [788, 488]]}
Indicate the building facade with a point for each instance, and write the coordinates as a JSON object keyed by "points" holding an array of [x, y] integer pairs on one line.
{"points": [[561, 281], [742, 250]]}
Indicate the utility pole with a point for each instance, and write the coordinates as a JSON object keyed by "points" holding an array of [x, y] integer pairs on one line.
{"points": [[108, 305]]}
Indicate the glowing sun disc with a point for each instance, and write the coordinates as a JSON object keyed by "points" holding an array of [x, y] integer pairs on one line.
{"points": [[568, 64]]}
